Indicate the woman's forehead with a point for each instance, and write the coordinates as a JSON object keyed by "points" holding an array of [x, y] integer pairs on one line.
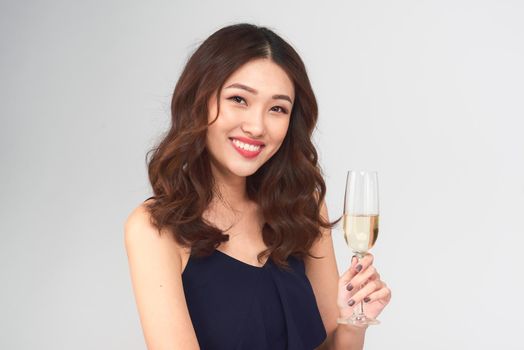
{"points": [[260, 76]]}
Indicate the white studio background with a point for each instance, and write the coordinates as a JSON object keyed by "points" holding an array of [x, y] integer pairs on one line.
{"points": [[428, 93]]}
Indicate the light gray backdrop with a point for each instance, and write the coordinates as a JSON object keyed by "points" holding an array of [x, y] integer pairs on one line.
{"points": [[428, 93]]}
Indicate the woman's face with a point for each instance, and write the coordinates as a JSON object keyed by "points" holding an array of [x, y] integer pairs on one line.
{"points": [[255, 110]]}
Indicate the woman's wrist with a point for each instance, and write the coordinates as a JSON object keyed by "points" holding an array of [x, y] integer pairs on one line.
{"points": [[345, 326], [348, 337], [351, 328]]}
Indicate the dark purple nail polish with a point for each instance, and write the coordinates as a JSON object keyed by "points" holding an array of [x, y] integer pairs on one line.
{"points": [[366, 299], [351, 302], [349, 287], [358, 268]]}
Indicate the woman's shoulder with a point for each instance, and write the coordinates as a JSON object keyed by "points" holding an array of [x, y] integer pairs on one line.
{"points": [[155, 269], [139, 220], [139, 231]]}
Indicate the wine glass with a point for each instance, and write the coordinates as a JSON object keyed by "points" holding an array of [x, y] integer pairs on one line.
{"points": [[360, 225]]}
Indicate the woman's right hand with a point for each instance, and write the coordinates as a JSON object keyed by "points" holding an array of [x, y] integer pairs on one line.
{"points": [[361, 282]]}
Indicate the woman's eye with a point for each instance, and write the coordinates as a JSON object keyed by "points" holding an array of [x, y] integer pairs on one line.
{"points": [[237, 99], [282, 110]]}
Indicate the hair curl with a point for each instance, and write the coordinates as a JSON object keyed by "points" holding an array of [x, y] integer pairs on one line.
{"points": [[289, 187]]}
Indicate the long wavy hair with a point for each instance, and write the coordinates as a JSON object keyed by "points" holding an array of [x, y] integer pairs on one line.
{"points": [[289, 188]]}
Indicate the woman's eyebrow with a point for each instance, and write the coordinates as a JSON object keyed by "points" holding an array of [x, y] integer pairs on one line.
{"points": [[254, 92]]}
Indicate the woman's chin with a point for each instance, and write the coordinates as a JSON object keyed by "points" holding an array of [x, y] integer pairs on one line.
{"points": [[243, 170], [236, 168]]}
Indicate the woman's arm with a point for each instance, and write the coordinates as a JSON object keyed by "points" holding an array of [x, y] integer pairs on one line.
{"points": [[155, 268], [324, 277]]}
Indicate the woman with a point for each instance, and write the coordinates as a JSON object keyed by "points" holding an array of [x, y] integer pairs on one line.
{"points": [[234, 250]]}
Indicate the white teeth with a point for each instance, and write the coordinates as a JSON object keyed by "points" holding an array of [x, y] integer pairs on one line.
{"points": [[246, 146]]}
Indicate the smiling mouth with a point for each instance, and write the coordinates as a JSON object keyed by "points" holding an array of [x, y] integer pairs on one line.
{"points": [[245, 149], [246, 145]]}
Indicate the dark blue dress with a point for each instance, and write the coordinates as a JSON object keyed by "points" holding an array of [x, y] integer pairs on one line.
{"points": [[237, 306]]}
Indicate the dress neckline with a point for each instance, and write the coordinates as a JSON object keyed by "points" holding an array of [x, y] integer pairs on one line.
{"points": [[244, 263]]}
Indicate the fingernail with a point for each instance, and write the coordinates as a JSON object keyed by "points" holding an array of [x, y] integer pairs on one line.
{"points": [[358, 268], [366, 299], [351, 302], [353, 259], [349, 287]]}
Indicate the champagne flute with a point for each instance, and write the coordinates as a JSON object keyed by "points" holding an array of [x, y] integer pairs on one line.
{"points": [[360, 225]]}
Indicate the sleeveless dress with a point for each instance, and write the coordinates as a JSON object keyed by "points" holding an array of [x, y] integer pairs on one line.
{"points": [[237, 306]]}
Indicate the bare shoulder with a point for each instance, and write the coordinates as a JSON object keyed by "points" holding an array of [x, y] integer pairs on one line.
{"points": [[155, 268], [139, 219], [139, 231]]}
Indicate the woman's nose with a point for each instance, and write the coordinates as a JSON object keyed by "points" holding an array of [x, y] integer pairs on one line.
{"points": [[254, 123]]}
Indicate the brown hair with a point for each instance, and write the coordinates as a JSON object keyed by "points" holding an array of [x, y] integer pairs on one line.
{"points": [[289, 187]]}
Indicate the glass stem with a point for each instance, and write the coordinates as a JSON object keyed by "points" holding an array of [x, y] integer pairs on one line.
{"points": [[358, 312]]}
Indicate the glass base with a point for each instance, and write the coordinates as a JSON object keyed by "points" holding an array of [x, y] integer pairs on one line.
{"points": [[360, 320]]}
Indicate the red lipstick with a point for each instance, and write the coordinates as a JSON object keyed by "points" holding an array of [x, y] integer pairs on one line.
{"points": [[244, 152], [248, 141]]}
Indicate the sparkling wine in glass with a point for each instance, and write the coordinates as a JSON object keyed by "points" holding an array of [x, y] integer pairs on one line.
{"points": [[360, 224]]}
